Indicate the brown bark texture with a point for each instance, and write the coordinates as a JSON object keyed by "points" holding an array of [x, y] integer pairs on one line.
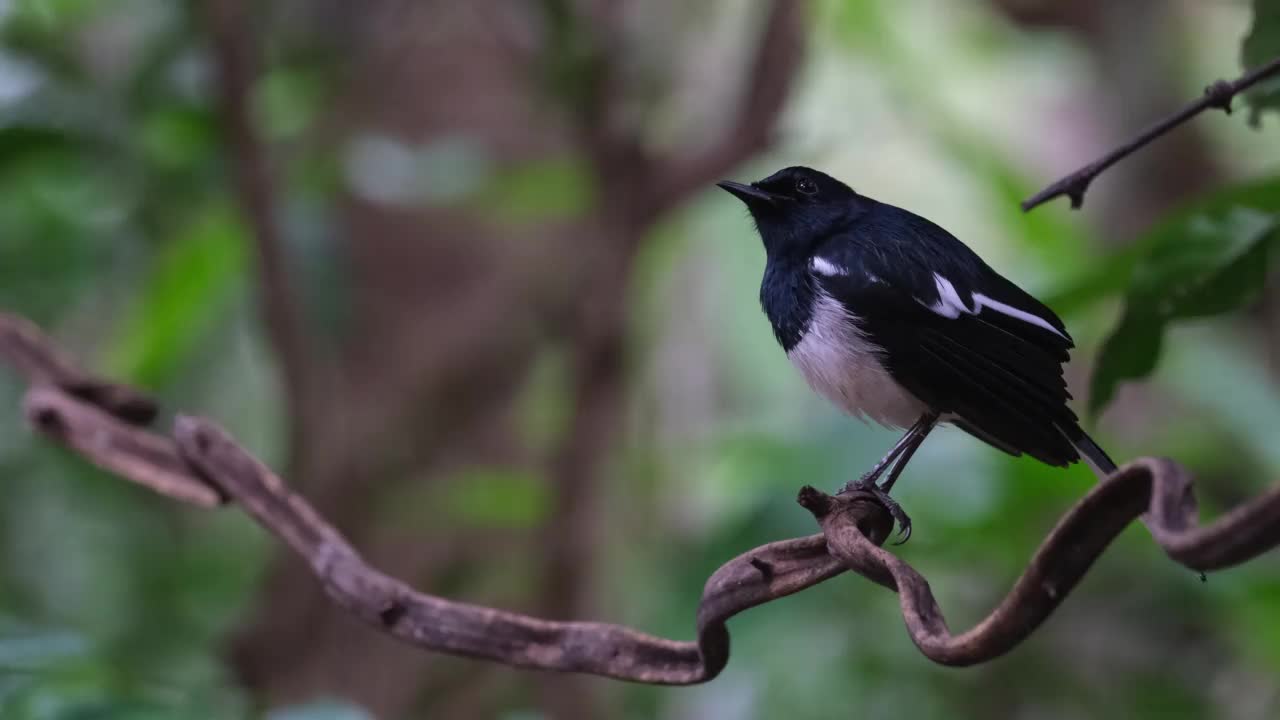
{"points": [[200, 464]]}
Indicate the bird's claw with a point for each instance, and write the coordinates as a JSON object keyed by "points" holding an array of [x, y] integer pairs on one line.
{"points": [[866, 482], [868, 485]]}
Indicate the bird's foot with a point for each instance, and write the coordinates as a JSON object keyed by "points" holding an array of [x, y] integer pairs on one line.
{"points": [[866, 482], [868, 485]]}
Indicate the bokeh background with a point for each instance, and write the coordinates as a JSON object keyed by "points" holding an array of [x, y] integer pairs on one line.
{"points": [[503, 330]]}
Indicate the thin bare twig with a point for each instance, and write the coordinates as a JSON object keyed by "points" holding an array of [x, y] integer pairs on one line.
{"points": [[853, 528], [1218, 95]]}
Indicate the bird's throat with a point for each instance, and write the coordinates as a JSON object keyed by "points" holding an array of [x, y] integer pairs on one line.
{"points": [[787, 295]]}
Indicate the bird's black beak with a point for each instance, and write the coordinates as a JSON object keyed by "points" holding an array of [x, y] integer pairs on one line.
{"points": [[749, 194]]}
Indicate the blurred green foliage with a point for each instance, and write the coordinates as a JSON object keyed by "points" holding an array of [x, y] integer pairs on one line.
{"points": [[1208, 260], [1262, 45], [537, 191], [195, 277], [119, 234]]}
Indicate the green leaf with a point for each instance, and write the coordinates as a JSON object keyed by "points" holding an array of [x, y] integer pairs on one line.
{"points": [[52, 15], [540, 191], [855, 25], [499, 497], [1113, 274], [53, 119], [1130, 351], [1261, 45], [481, 496], [18, 142], [1205, 265], [176, 136], [41, 27], [194, 278], [285, 101]]}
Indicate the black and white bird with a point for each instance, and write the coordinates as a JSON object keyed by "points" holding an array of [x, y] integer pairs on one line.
{"points": [[895, 320]]}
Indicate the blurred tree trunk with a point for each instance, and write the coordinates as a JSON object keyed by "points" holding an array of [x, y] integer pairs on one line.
{"points": [[450, 307], [442, 328]]}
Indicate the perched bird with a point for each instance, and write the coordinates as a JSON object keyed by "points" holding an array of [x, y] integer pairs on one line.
{"points": [[895, 320]]}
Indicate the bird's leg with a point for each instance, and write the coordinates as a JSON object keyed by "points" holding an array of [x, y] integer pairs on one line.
{"points": [[871, 476], [921, 428], [898, 456], [926, 424]]}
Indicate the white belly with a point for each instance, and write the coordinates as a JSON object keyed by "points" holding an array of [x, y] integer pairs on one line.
{"points": [[841, 365]]}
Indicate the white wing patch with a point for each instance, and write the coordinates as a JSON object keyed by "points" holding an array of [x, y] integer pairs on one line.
{"points": [[824, 266], [982, 301], [950, 305]]}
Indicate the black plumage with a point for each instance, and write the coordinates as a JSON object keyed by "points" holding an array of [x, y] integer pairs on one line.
{"points": [[1001, 376], [966, 344]]}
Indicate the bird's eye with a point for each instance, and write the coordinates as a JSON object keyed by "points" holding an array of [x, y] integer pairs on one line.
{"points": [[805, 186]]}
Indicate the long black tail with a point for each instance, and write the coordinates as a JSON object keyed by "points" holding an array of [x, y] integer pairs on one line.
{"points": [[1095, 456]]}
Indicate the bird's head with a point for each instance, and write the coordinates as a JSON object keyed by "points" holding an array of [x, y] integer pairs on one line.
{"points": [[795, 208]]}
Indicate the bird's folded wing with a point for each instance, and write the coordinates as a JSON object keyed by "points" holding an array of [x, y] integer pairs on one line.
{"points": [[998, 374]]}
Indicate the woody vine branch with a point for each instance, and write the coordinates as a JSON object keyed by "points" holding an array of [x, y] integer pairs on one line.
{"points": [[201, 465]]}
